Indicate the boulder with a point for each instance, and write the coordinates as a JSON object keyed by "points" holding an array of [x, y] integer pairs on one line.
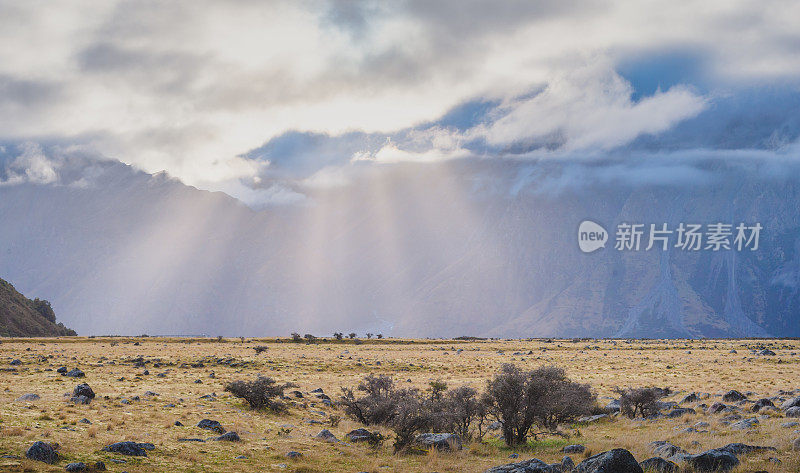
{"points": [[42, 452], [789, 425], [229, 437], [363, 435], [617, 460], [577, 448], [441, 442], [212, 425], [659, 465], [716, 408], [528, 466], [712, 460], [567, 464], [796, 445], [793, 412], [294, 455], [680, 411], [793, 402], [689, 398], [326, 435], [79, 466], [766, 352], [80, 399], [83, 389], [745, 424], [743, 449], [128, 448], [664, 449], [30, 397], [612, 406], [75, 373], [733, 396]]}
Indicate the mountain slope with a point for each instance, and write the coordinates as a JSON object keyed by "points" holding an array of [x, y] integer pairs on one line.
{"points": [[469, 247], [19, 316]]}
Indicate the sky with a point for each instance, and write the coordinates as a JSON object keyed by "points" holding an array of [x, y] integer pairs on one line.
{"points": [[263, 99]]}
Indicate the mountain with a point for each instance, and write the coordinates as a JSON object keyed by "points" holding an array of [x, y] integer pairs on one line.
{"points": [[483, 247], [22, 317]]}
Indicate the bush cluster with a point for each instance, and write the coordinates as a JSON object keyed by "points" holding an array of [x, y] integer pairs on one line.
{"points": [[261, 393]]}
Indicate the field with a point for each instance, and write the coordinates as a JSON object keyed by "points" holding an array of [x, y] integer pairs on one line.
{"points": [[178, 372]]}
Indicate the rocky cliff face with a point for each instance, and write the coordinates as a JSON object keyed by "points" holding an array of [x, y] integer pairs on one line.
{"points": [[473, 247]]}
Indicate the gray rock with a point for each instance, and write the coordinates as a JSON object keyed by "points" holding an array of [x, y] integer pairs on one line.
{"points": [[83, 389], [528, 466], [132, 449], [745, 424], [294, 455], [326, 435], [789, 425], [212, 425], [42, 452], [15, 362], [75, 373], [712, 460], [80, 399], [793, 411], [79, 466], [664, 449], [612, 406], [743, 449], [229, 437], [733, 396], [363, 435], [764, 402], [689, 398], [594, 418], [30, 397], [793, 402], [617, 460], [680, 411], [441, 442], [659, 465], [796, 445], [567, 464], [577, 448]]}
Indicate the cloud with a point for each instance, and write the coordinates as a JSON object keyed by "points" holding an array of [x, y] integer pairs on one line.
{"points": [[195, 87]]}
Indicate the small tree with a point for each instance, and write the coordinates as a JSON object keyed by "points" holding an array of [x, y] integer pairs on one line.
{"points": [[376, 406], [351, 335], [310, 338], [338, 335], [369, 335], [436, 388], [639, 401], [296, 337], [379, 336], [260, 393]]}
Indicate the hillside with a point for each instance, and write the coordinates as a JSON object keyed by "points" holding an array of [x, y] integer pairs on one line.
{"points": [[23, 317]]}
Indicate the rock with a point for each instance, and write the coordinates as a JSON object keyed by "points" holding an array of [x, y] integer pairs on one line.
{"points": [[127, 448], [567, 464], [178, 423], [577, 448], [745, 424], [99, 466], [743, 449], [796, 445], [689, 398], [793, 412], [229, 437], [30, 397], [294, 455], [717, 407], [659, 465], [617, 460], [441, 442], [84, 421], [733, 396], [62, 370], [42, 452], [612, 406], [680, 411], [80, 466], [665, 449], [326, 435], [75, 373], [83, 389], [496, 425], [80, 400], [793, 402], [15, 362], [766, 352], [761, 403], [209, 424], [789, 425], [363, 435], [528, 466], [594, 418], [713, 460]]}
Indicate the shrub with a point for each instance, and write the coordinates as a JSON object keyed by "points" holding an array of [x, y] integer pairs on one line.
{"points": [[310, 338], [544, 397], [338, 335], [351, 335], [376, 406], [259, 393], [464, 414], [639, 401], [296, 337], [260, 348]]}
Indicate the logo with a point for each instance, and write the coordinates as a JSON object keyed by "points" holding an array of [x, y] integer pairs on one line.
{"points": [[591, 236]]}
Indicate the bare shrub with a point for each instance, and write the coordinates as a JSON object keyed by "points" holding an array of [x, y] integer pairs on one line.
{"points": [[639, 401], [260, 393], [377, 406]]}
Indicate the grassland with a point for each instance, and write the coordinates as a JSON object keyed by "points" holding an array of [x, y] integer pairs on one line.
{"points": [[181, 371]]}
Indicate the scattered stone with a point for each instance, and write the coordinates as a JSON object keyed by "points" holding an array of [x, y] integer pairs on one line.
{"points": [[716, 408], [62, 370], [594, 418], [713, 460], [793, 402], [79, 466], [665, 449], [80, 399], [190, 440], [789, 425], [42, 452], [796, 445], [83, 389], [793, 412], [209, 424], [766, 352], [15, 362], [75, 373], [659, 465], [680, 411], [743, 449], [533, 465], [745, 424], [30, 397], [363, 435], [229, 437], [577, 448], [733, 396], [326, 435], [567, 464], [294, 455], [689, 398], [132, 449], [617, 460], [441, 442], [84, 421]]}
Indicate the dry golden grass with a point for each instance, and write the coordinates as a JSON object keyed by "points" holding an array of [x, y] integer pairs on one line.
{"points": [[684, 366]]}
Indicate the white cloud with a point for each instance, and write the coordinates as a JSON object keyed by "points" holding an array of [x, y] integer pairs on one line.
{"points": [[31, 166]]}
